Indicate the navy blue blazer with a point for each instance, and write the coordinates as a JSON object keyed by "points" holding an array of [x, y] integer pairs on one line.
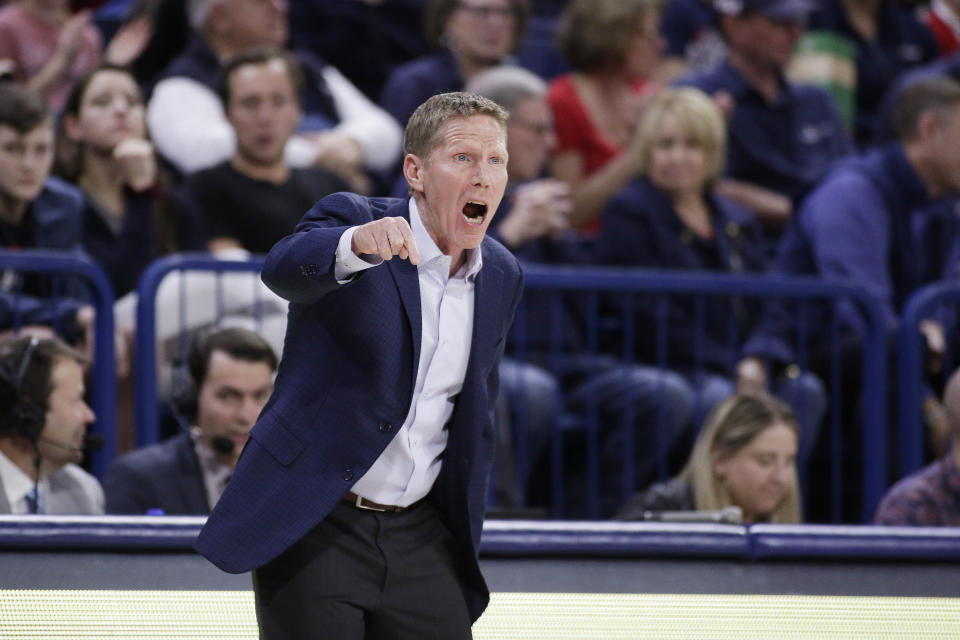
{"points": [[164, 476], [344, 387]]}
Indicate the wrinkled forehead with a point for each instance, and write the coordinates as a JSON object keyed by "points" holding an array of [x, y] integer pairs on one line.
{"points": [[480, 127]]}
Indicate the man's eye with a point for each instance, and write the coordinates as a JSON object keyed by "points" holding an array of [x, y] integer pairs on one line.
{"points": [[461, 157]]}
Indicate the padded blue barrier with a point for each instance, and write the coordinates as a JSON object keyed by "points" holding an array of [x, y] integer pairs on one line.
{"points": [[145, 392], [854, 542], [911, 369], [593, 284], [531, 539], [103, 392], [589, 538]]}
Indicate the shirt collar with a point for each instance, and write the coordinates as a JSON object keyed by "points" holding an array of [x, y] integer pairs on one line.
{"points": [[211, 466], [430, 251], [16, 484]]}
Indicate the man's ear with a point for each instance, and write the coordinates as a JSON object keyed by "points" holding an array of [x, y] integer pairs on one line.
{"points": [[413, 167], [928, 126]]}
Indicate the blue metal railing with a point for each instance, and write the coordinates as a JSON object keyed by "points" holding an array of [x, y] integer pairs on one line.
{"points": [[806, 290], [103, 393], [145, 392], [598, 282], [911, 369]]}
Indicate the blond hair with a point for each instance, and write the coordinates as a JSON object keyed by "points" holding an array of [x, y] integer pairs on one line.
{"points": [[697, 114], [732, 425], [426, 125]]}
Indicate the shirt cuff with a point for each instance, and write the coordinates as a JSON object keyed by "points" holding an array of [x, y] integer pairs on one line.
{"points": [[348, 263]]}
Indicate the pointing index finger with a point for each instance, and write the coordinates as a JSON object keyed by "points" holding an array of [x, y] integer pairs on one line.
{"points": [[410, 242]]}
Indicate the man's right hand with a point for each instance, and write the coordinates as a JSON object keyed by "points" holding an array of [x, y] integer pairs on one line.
{"points": [[386, 237]]}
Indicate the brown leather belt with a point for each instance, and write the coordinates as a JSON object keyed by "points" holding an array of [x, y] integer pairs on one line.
{"points": [[362, 503]]}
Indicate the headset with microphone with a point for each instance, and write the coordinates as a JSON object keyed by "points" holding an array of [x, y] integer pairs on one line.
{"points": [[183, 398], [25, 416]]}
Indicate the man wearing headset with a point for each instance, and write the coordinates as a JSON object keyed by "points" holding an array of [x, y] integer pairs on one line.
{"points": [[43, 425], [231, 377]]}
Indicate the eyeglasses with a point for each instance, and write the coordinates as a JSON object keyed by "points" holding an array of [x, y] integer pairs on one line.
{"points": [[485, 12], [540, 128]]}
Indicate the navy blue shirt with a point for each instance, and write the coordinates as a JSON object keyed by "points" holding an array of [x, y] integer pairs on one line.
{"points": [[865, 224], [412, 83], [641, 228], [902, 42], [690, 29], [786, 146]]}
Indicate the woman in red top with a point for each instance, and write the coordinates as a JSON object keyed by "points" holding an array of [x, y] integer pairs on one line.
{"points": [[613, 47]]}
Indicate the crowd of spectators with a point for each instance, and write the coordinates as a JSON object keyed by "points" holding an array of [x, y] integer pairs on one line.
{"points": [[675, 134]]}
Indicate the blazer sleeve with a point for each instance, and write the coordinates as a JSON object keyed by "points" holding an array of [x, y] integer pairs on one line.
{"points": [[300, 267]]}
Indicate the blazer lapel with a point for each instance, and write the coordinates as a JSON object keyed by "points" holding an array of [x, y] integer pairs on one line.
{"points": [[488, 302]]}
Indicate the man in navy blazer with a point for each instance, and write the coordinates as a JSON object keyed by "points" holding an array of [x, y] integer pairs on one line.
{"points": [[359, 498], [231, 376]]}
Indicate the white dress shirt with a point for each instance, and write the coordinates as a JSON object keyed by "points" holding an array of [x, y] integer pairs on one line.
{"points": [[215, 474], [407, 468]]}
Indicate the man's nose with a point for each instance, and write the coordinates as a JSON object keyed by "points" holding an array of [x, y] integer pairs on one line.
{"points": [[481, 176], [89, 417]]}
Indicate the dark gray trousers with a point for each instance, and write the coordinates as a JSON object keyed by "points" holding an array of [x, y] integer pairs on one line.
{"points": [[365, 575]]}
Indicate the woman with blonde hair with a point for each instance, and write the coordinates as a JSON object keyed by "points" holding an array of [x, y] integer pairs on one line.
{"points": [[671, 217], [745, 456]]}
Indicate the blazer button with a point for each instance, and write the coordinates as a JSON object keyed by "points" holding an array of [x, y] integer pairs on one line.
{"points": [[386, 427], [348, 475]]}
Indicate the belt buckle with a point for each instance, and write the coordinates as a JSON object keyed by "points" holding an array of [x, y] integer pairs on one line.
{"points": [[359, 504]]}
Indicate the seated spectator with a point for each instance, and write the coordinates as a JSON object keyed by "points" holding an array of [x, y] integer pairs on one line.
{"points": [[256, 198], [693, 40], [745, 456], [867, 223], [783, 138], [888, 39], [470, 35], [43, 424], [36, 212], [231, 377], [532, 222], [942, 17], [671, 218], [342, 130], [931, 496], [613, 47], [46, 47], [129, 219]]}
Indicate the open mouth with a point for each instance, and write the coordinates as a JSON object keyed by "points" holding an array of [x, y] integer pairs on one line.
{"points": [[474, 212]]}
